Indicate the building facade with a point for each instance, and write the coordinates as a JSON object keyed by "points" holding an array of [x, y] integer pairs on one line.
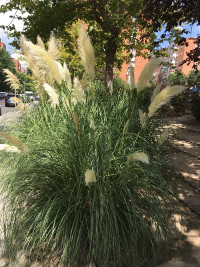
{"points": [[176, 55], [2, 44], [17, 64]]}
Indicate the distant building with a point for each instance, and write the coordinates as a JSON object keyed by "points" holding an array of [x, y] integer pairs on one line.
{"points": [[176, 55], [18, 66], [2, 44], [138, 63], [23, 70], [181, 54]]}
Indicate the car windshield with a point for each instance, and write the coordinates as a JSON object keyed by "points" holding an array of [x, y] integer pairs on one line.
{"points": [[11, 95]]}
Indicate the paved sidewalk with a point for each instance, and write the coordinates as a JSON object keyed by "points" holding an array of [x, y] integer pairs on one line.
{"points": [[186, 162]]}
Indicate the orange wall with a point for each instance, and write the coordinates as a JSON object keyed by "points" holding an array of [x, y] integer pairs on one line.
{"points": [[185, 68], [181, 52], [140, 62], [17, 65], [124, 70], [2, 44]]}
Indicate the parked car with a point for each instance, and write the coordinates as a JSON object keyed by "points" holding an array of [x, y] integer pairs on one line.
{"points": [[4, 94], [30, 95], [1, 96], [9, 102], [25, 98]]}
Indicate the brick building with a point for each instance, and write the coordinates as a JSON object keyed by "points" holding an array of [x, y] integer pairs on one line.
{"points": [[138, 63], [2, 44], [176, 55], [182, 54], [17, 64]]}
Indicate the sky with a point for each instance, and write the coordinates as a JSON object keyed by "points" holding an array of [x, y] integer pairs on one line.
{"points": [[3, 36], [194, 30]]}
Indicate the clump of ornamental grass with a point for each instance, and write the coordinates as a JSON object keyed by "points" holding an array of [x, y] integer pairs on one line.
{"points": [[87, 185]]}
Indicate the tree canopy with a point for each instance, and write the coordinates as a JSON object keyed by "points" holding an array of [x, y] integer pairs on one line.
{"points": [[113, 25], [5, 63], [177, 78], [110, 24], [26, 82], [194, 78], [173, 13]]}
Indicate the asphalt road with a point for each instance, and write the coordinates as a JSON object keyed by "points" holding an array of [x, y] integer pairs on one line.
{"points": [[3, 108]]}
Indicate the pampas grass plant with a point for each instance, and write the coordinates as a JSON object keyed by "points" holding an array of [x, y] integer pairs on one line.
{"points": [[9, 148], [12, 80], [163, 97], [40, 42], [90, 186], [53, 97], [86, 51], [15, 141], [44, 60], [53, 48], [147, 72], [67, 76]]}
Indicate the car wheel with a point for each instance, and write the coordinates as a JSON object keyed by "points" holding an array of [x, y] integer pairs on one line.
{"points": [[6, 105]]}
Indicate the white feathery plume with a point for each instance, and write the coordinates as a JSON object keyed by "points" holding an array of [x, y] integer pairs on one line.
{"points": [[44, 60], [60, 70], [40, 42], [147, 72], [23, 44], [163, 137], [138, 156], [53, 97], [53, 48], [86, 51], [163, 97], [21, 107], [90, 177], [31, 61], [20, 104], [67, 77], [143, 117], [9, 148], [16, 100], [78, 92], [15, 141], [156, 91], [12, 80]]}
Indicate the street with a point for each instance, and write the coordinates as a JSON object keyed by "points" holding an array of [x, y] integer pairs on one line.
{"points": [[3, 108]]}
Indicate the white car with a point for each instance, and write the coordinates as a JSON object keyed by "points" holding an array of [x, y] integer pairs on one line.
{"points": [[30, 95], [3, 94]]}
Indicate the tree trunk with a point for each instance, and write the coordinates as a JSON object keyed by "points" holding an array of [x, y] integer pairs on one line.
{"points": [[110, 58]]}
